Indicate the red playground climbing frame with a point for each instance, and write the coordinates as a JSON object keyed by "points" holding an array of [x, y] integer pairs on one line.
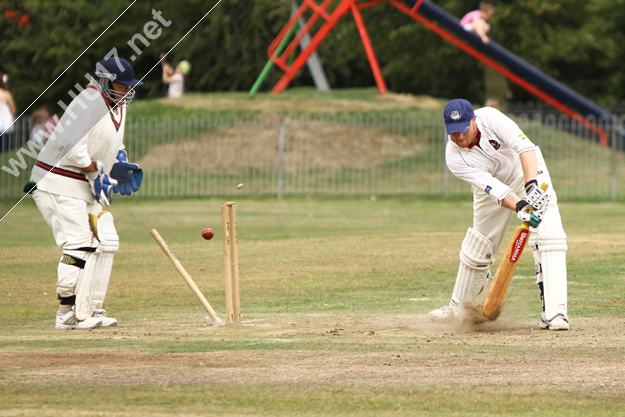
{"points": [[331, 19], [560, 98]]}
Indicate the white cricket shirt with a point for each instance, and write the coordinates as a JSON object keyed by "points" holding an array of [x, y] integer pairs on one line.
{"points": [[88, 130], [495, 163]]}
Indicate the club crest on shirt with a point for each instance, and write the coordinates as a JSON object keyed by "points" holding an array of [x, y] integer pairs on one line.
{"points": [[455, 115], [488, 189], [494, 144]]}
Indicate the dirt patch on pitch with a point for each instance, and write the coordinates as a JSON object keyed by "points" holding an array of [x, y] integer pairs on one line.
{"points": [[342, 349]]}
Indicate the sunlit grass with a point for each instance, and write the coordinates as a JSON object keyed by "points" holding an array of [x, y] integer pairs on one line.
{"points": [[326, 273]]}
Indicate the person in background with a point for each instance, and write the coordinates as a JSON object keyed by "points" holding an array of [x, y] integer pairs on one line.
{"points": [[476, 21], [168, 71], [7, 115], [42, 121], [176, 80]]}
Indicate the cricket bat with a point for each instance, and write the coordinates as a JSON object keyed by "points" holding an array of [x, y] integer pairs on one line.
{"points": [[498, 287]]}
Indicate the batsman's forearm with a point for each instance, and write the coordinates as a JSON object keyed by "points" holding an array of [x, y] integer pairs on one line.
{"points": [[510, 200], [530, 165]]}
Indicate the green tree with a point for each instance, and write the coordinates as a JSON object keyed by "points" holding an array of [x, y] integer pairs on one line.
{"points": [[577, 42]]}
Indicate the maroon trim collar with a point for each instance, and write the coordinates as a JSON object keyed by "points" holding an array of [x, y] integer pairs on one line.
{"points": [[477, 142], [121, 110]]}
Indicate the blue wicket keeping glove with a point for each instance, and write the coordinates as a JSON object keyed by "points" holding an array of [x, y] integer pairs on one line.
{"points": [[129, 176]]}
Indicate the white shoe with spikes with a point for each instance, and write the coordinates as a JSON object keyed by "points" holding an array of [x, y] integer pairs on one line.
{"points": [[68, 321], [100, 313]]}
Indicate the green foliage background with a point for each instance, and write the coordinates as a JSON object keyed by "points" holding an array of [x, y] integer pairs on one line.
{"points": [[577, 42]]}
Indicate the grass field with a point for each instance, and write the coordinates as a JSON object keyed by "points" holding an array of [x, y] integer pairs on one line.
{"points": [[334, 297], [293, 101]]}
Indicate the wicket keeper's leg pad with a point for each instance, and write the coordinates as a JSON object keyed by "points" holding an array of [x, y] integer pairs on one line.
{"points": [[92, 288]]}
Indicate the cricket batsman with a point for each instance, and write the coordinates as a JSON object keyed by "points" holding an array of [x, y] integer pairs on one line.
{"points": [[489, 151], [82, 162]]}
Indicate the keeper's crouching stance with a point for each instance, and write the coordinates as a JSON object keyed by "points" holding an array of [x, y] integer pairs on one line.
{"points": [[81, 163], [505, 169]]}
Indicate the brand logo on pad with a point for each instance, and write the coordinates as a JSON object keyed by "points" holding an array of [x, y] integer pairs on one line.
{"points": [[455, 115]]}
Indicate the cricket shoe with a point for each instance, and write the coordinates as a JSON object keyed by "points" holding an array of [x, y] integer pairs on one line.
{"points": [[559, 322], [446, 313], [100, 313], [68, 321]]}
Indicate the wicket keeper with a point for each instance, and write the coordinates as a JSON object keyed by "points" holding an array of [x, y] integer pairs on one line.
{"points": [[82, 162], [489, 151]]}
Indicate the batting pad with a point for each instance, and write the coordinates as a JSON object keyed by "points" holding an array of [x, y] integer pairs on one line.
{"points": [[476, 257], [552, 249], [537, 263], [92, 286]]}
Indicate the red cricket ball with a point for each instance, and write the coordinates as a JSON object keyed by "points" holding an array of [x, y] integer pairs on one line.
{"points": [[208, 233]]}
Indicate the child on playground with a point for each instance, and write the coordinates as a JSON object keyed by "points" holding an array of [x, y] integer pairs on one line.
{"points": [[476, 21]]}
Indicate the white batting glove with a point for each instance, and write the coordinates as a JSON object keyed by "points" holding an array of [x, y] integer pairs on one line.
{"points": [[523, 213], [536, 196]]}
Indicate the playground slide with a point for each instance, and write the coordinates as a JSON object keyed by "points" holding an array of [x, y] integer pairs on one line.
{"points": [[513, 63]]}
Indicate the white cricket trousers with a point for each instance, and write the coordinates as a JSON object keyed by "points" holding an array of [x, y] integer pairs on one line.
{"points": [[69, 220]]}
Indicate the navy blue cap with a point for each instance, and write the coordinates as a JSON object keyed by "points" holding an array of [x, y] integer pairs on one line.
{"points": [[458, 116], [118, 70]]}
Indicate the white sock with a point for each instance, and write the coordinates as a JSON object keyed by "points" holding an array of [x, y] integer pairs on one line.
{"points": [[64, 309]]}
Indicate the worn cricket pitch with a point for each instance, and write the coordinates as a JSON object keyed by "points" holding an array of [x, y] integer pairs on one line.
{"points": [[334, 301]]}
